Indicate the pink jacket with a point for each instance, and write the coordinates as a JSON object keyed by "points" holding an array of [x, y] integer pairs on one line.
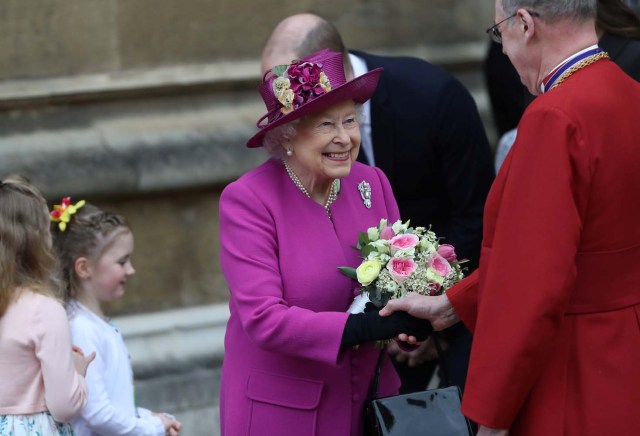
{"points": [[284, 371], [36, 368]]}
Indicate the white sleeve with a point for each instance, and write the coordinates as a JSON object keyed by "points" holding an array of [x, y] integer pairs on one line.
{"points": [[100, 414]]}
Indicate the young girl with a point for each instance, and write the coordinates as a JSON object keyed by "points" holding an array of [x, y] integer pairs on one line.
{"points": [[41, 380], [94, 248]]}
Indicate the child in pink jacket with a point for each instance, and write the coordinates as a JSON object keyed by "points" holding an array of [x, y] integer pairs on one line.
{"points": [[42, 382]]}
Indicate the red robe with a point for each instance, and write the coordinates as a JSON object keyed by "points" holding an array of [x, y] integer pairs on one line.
{"points": [[555, 304]]}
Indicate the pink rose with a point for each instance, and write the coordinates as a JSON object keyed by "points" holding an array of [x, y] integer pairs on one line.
{"points": [[401, 269], [402, 242], [387, 233], [448, 252], [439, 264], [305, 78]]}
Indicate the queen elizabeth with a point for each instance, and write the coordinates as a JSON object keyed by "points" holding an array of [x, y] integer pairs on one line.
{"points": [[291, 364]]}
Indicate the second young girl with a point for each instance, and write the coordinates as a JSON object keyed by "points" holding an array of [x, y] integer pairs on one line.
{"points": [[95, 248]]}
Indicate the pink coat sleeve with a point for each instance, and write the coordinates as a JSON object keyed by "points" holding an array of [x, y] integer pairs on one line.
{"points": [[249, 261], [65, 389]]}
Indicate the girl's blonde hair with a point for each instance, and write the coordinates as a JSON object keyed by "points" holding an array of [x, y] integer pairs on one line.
{"points": [[26, 260], [88, 234]]}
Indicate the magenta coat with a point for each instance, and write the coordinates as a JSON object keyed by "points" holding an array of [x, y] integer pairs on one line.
{"points": [[284, 371]]}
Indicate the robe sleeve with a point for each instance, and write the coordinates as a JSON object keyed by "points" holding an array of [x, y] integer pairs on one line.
{"points": [[531, 271], [464, 299]]}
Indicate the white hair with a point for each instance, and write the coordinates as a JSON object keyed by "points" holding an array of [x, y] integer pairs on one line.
{"points": [[552, 10], [274, 138]]}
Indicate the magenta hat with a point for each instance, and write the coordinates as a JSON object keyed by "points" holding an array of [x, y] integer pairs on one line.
{"points": [[308, 85]]}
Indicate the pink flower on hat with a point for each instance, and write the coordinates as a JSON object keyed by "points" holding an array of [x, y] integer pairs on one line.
{"points": [[299, 83]]}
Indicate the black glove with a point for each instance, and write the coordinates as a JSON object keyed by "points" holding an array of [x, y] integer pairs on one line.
{"points": [[370, 326]]}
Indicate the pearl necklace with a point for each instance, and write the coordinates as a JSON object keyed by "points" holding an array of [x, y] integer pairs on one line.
{"points": [[333, 191]]}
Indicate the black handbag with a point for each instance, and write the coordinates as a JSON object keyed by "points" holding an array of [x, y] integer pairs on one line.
{"points": [[433, 412]]}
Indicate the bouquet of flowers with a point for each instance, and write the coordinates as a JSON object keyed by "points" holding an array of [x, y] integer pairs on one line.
{"points": [[398, 259]]}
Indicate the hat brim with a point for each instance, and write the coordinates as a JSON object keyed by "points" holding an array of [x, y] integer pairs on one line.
{"points": [[359, 90]]}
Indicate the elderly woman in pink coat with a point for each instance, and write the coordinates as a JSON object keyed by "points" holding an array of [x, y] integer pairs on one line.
{"points": [[291, 364]]}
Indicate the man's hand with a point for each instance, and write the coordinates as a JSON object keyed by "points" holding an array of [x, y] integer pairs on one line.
{"points": [[437, 310]]}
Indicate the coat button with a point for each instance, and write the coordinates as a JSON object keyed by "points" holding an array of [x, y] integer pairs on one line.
{"points": [[355, 398]]}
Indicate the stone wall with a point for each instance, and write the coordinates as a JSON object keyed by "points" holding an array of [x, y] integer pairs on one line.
{"points": [[45, 38]]}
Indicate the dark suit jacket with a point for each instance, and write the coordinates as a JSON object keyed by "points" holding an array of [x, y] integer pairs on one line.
{"points": [[624, 52], [430, 142]]}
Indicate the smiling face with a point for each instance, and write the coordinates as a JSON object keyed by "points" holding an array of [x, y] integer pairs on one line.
{"points": [[108, 273], [325, 146]]}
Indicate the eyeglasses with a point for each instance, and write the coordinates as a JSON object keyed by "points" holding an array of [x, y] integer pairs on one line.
{"points": [[494, 31], [496, 34]]}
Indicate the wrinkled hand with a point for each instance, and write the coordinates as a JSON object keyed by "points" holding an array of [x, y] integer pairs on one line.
{"points": [[81, 362], [172, 426], [486, 431], [437, 310]]}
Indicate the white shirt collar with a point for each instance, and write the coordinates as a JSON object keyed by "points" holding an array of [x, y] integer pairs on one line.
{"points": [[567, 60]]}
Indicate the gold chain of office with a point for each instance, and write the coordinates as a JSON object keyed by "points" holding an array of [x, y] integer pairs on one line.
{"points": [[580, 65]]}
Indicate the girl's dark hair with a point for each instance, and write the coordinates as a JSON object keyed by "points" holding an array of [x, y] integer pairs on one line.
{"points": [[88, 234], [26, 260], [618, 19]]}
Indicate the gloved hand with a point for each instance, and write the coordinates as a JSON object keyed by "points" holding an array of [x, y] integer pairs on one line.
{"points": [[370, 326]]}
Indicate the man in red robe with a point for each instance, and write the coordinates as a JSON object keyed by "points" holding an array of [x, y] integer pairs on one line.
{"points": [[555, 305]]}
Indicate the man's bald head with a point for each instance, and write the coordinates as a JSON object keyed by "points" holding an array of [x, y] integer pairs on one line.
{"points": [[300, 35]]}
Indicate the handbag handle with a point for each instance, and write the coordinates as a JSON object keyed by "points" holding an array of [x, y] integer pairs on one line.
{"points": [[373, 390]]}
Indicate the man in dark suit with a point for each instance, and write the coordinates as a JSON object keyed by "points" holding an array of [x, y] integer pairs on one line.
{"points": [[422, 128]]}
